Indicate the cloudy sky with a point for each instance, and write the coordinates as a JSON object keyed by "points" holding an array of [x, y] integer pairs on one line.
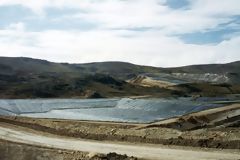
{"points": [[148, 32]]}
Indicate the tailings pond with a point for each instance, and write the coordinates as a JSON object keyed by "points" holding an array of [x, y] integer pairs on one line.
{"points": [[119, 109]]}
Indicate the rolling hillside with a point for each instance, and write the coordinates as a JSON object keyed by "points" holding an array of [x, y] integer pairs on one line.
{"points": [[32, 78]]}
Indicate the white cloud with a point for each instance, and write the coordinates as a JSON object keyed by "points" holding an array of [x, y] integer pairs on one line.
{"points": [[152, 47], [129, 14], [216, 7], [201, 15], [19, 26]]}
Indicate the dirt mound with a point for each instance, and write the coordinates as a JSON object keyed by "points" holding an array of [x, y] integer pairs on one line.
{"points": [[112, 156]]}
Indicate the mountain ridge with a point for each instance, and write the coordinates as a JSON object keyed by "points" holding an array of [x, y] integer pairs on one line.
{"points": [[226, 67]]}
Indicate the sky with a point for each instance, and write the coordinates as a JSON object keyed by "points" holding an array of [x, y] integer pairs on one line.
{"points": [[163, 33]]}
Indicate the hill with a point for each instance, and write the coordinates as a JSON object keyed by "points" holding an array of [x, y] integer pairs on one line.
{"points": [[34, 78], [22, 77], [233, 67]]}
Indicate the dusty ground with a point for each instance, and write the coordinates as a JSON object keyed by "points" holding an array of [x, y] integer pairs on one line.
{"points": [[146, 151], [216, 128], [19, 151]]}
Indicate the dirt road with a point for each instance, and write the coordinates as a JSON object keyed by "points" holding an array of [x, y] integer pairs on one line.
{"points": [[143, 151]]}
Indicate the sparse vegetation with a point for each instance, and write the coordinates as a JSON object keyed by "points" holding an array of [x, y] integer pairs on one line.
{"points": [[33, 78]]}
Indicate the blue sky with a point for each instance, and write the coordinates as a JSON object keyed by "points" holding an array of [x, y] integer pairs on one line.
{"points": [[148, 32]]}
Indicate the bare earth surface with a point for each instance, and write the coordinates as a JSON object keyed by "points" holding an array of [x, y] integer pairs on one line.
{"points": [[142, 151]]}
